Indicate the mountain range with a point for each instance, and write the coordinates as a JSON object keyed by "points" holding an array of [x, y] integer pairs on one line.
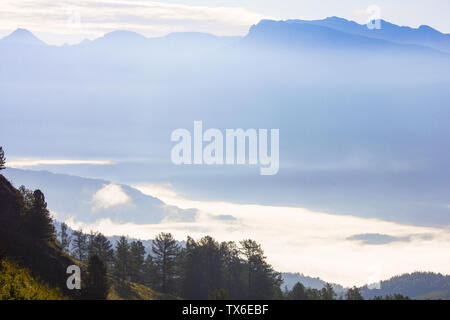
{"points": [[88, 200], [21, 37], [290, 279], [416, 285], [372, 102], [423, 35], [330, 32]]}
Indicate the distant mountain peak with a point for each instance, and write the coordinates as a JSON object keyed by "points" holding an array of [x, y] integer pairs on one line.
{"points": [[23, 36], [119, 38], [123, 34], [423, 36], [428, 28], [21, 30], [190, 34], [335, 18]]}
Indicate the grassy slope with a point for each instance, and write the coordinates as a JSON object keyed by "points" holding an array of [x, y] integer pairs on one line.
{"points": [[435, 295], [126, 290], [41, 266], [16, 283]]}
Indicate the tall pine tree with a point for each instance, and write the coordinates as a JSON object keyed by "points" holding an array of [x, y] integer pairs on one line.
{"points": [[202, 269], [150, 274], [80, 245], [137, 251], [263, 282], [354, 294], [122, 259], [101, 246], [165, 251], [95, 284], [38, 220], [65, 238]]}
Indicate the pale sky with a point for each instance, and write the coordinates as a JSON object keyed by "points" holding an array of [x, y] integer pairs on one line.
{"points": [[58, 22], [295, 239]]}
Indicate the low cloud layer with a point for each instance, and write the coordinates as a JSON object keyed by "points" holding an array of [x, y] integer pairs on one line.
{"points": [[300, 240], [23, 163], [109, 196]]}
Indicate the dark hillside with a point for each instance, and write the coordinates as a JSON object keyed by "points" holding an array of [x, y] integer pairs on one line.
{"points": [[43, 258]]}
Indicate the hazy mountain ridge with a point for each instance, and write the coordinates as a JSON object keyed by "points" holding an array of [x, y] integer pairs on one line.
{"points": [[361, 109], [417, 285], [121, 39], [423, 35], [22, 37], [290, 279], [72, 196], [328, 32], [301, 35]]}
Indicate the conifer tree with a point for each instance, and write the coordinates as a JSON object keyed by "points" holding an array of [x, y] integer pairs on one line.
{"points": [[137, 252], [101, 246], [263, 282], [165, 250], [327, 292], [122, 258], [354, 294], [298, 292], [150, 272], [65, 238], [39, 222], [80, 245], [96, 284]]}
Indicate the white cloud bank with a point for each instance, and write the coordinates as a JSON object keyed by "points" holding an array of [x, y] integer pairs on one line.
{"points": [[300, 240], [93, 18], [109, 196], [23, 163]]}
